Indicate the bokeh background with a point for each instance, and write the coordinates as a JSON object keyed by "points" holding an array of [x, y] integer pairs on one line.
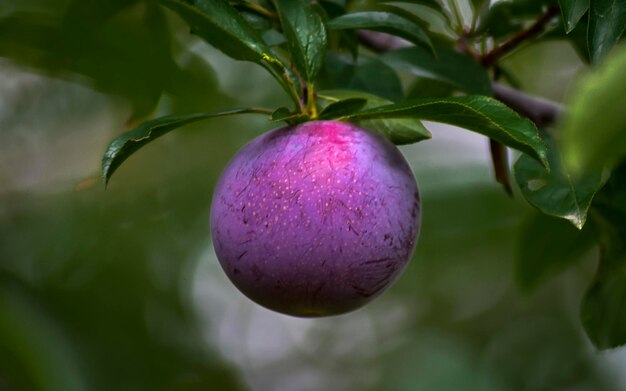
{"points": [[120, 289]]}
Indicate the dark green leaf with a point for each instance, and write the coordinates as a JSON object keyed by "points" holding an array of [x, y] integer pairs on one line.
{"points": [[286, 115], [217, 22], [129, 55], [305, 34], [508, 17], [594, 131], [607, 21], [223, 27], [556, 193], [450, 67], [434, 4], [385, 22], [342, 108], [367, 74], [128, 143], [572, 11], [399, 131], [429, 88], [480, 114], [548, 246], [603, 310]]}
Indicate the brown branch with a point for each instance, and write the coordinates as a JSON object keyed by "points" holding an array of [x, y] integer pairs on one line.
{"points": [[500, 162], [535, 29], [542, 112]]}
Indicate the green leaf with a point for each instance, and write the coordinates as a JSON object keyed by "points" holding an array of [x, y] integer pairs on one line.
{"points": [[342, 108], [607, 21], [434, 4], [572, 11], [450, 67], [128, 143], [286, 115], [556, 193], [385, 22], [366, 73], [548, 246], [603, 310], [593, 134], [217, 22], [508, 17], [305, 34], [478, 113], [399, 131], [429, 88]]}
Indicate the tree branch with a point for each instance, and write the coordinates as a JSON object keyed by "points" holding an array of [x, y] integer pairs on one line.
{"points": [[542, 112], [535, 29]]}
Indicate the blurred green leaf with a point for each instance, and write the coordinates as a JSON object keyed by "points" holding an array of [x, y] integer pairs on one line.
{"points": [[429, 88], [547, 246], [602, 310], [366, 73], [593, 134], [572, 11], [305, 34], [128, 143], [384, 22], [508, 17], [118, 49], [450, 67], [399, 131], [341, 108], [480, 114], [217, 22], [33, 347], [555, 192], [607, 22]]}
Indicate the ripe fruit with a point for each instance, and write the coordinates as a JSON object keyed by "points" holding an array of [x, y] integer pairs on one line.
{"points": [[315, 219]]}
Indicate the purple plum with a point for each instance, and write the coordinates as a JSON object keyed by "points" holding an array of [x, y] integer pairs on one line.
{"points": [[315, 219]]}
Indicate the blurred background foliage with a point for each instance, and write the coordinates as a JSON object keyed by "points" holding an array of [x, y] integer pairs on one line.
{"points": [[120, 290]]}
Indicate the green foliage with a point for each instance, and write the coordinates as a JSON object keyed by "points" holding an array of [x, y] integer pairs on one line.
{"points": [[572, 11], [368, 74], [128, 143], [602, 310], [342, 107], [306, 36], [547, 246], [477, 113], [555, 192], [398, 130], [607, 21], [384, 22], [594, 132], [449, 66], [432, 66], [222, 26]]}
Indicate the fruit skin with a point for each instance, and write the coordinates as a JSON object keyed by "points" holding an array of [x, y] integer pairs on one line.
{"points": [[315, 219]]}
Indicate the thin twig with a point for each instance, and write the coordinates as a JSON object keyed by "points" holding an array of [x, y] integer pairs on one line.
{"points": [[535, 29]]}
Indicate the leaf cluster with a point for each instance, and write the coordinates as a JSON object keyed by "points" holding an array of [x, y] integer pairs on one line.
{"points": [[333, 63]]}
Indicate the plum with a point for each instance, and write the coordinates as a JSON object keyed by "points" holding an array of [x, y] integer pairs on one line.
{"points": [[315, 219]]}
